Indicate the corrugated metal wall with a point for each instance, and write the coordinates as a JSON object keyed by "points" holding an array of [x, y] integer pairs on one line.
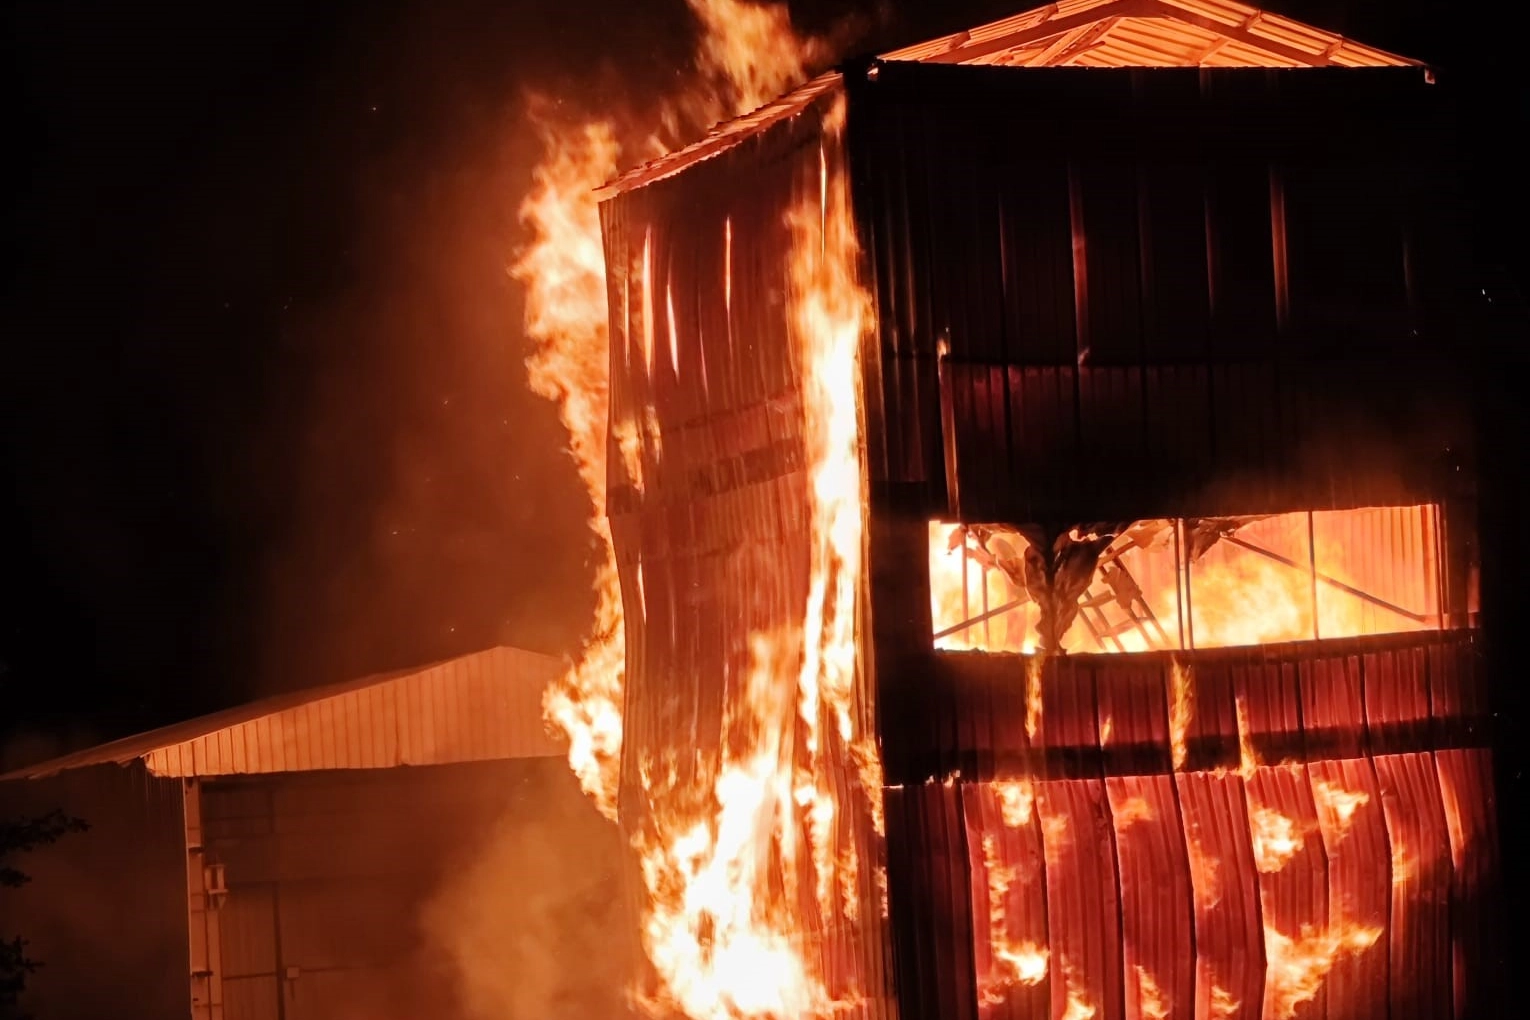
{"points": [[1123, 864], [329, 875], [1164, 291], [707, 494]]}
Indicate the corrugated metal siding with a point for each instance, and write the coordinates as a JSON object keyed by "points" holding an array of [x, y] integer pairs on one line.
{"points": [[479, 708], [710, 520], [1162, 291], [1161, 865]]}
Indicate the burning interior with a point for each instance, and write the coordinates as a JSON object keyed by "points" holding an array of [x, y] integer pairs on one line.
{"points": [[1040, 488], [1174, 584]]}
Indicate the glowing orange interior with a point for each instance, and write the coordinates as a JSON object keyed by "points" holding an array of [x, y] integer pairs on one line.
{"points": [[1288, 577]]}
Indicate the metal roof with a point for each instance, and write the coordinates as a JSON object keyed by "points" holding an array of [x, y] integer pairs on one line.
{"points": [[483, 706], [1074, 33]]}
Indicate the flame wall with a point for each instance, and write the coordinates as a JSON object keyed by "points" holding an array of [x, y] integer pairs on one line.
{"points": [[711, 516]]}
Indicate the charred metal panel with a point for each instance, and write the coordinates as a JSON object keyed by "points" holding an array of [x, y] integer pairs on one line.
{"points": [[1159, 289], [709, 502]]}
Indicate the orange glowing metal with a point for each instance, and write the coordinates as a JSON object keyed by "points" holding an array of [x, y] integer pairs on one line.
{"points": [[1132, 811]]}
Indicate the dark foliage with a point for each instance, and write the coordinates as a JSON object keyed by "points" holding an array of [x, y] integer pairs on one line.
{"points": [[21, 836]]}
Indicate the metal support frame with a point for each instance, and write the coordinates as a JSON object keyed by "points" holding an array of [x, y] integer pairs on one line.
{"points": [[202, 902]]}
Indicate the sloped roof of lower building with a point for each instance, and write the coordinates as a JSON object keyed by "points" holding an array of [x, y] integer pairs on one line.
{"points": [[484, 706]]}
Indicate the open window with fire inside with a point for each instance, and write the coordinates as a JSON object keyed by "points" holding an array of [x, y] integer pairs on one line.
{"points": [[1199, 582]]}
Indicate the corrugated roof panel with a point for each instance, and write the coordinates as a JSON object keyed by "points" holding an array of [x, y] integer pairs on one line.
{"points": [[478, 707], [1174, 43], [1239, 54], [1231, 15]]}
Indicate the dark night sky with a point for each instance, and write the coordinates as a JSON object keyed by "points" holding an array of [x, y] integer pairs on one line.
{"points": [[263, 418]]}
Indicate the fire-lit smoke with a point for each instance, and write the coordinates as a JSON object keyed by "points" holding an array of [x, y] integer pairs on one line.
{"points": [[747, 53], [524, 921]]}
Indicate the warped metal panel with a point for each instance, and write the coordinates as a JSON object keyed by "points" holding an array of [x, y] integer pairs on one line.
{"points": [[1157, 903], [1009, 912], [1292, 867], [1477, 926], [1354, 836], [931, 901], [1229, 947], [1083, 896], [1420, 946]]}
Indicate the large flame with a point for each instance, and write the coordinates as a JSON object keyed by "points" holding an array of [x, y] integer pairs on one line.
{"points": [[747, 54], [563, 270], [722, 938]]}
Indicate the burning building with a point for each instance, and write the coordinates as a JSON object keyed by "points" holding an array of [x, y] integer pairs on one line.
{"points": [[1040, 475]]}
